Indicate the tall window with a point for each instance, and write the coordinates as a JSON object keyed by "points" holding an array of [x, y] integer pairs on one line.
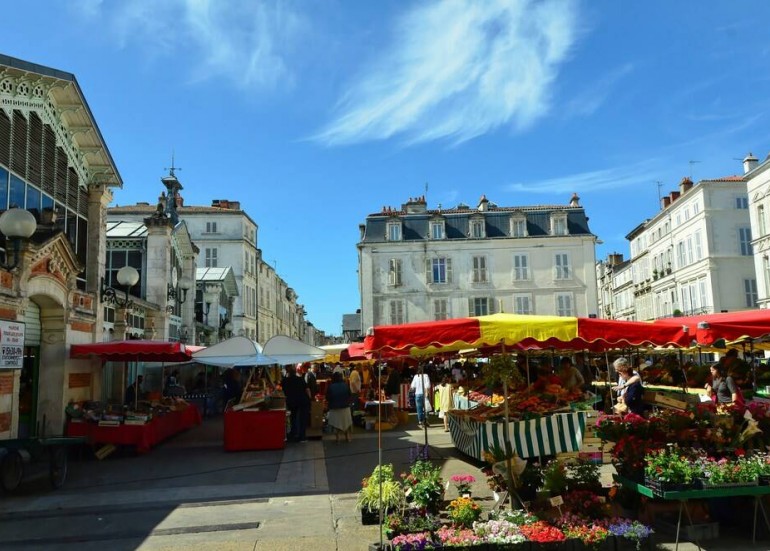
{"points": [[440, 309], [394, 231], [397, 312], [211, 227], [690, 252], [698, 247], [750, 290], [761, 220], [518, 227], [477, 229], [479, 269], [520, 267], [744, 240], [437, 230], [741, 202], [561, 264], [559, 225], [394, 272], [211, 258], [681, 255], [480, 306], [439, 270], [522, 304], [766, 271], [563, 304]]}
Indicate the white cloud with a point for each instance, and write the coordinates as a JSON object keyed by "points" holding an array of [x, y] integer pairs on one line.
{"points": [[457, 69], [597, 180], [245, 42], [589, 100]]}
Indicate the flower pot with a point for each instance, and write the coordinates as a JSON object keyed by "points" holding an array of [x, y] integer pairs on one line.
{"points": [[369, 518], [607, 545], [565, 545], [764, 480], [705, 485], [626, 544], [660, 487]]}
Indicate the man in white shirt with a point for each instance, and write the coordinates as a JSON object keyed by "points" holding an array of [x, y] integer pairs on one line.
{"points": [[421, 386]]}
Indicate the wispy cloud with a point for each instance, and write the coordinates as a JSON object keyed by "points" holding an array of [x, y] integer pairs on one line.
{"points": [[245, 42], [458, 69], [589, 100], [597, 180]]}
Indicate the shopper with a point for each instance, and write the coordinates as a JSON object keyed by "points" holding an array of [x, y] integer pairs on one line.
{"points": [[339, 416], [630, 399], [297, 402], [133, 392], [311, 380], [723, 389], [445, 400], [393, 385], [355, 387], [421, 386]]}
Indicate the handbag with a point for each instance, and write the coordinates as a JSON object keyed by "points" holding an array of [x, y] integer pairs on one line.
{"points": [[412, 400]]}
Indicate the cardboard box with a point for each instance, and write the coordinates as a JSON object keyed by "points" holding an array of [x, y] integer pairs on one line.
{"points": [[316, 415]]}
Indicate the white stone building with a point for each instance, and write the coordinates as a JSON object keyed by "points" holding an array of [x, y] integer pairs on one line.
{"points": [[417, 264], [693, 257], [757, 178]]}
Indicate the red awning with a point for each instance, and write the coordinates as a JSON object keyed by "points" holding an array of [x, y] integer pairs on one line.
{"points": [[133, 351], [708, 328]]}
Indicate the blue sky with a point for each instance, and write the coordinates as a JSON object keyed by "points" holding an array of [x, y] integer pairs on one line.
{"points": [[315, 114]]}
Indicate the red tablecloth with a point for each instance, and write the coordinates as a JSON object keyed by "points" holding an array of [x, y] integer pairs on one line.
{"points": [[144, 436]]}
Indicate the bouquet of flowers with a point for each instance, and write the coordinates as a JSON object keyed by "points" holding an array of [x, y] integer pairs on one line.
{"points": [[458, 537], [463, 483], [463, 512], [630, 529], [498, 531], [591, 536]]}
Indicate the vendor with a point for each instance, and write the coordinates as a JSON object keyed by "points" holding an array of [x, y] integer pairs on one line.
{"points": [[722, 389], [630, 386], [570, 377], [622, 366]]}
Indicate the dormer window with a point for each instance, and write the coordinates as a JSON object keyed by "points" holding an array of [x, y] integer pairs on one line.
{"points": [[394, 231], [437, 229], [559, 224], [477, 229], [518, 226]]}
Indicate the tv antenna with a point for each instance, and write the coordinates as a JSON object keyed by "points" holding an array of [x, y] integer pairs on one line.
{"points": [[172, 168], [660, 185], [692, 163]]}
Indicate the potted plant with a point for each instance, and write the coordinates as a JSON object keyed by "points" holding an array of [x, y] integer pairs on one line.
{"points": [[590, 537], [462, 483], [423, 486], [725, 473], [411, 521], [413, 542], [548, 536], [379, 492], [668, 469], [629, 534], [501, 533], [463, 512], [458, 538]]}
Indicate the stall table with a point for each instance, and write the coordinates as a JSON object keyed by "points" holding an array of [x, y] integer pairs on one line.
{"points": [[143, 437], [255, 429], [541, 436], [757, 492]]}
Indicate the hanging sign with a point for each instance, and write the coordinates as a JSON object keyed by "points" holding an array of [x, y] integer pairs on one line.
{"points": [[11, 344]]}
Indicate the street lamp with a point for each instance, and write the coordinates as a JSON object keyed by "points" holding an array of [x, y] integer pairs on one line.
{"points": [[127, 277], [16, 224], [179, 292]]}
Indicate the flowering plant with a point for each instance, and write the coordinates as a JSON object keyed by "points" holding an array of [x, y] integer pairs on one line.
{"points": [[671, 465], [542, 532], [424, 480], [725, 471], [629, 529], [591, 536], [498, 531], [517, 516], [586, 503], [462, 482], [463, 511], [412, 521], [458, 537], [413, 542]]}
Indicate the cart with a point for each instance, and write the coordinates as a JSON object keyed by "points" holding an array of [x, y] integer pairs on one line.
{"points": [[31, 458]]}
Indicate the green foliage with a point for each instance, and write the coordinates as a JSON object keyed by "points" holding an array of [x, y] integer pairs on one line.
{"points": [[583, 475], [555, 478], [427, 489], [381, 491], [502, 367]]}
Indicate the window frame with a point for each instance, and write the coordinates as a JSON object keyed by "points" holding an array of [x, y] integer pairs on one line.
{"points": [[434, 264], [744, 241], [437, 225], [395, 272], [521, 270], [477, 228], [558, 308], [530, 305], [394, 231], [562, 272], [479, 269]]}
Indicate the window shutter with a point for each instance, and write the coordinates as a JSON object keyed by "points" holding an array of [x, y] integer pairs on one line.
{"points": [[449, 270], [491, 305], [471, 310], [428, 273]]}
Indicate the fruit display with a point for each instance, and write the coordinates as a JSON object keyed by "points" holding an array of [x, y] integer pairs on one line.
{"points": [[521, 403]]}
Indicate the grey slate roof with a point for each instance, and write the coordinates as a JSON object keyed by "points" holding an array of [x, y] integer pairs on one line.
{"points": [[416, 227]]}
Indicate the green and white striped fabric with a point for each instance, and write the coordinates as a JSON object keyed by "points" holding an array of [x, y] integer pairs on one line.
{"points": [[547, 435]]}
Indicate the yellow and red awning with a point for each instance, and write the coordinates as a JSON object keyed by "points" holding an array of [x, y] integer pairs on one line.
{"points": [[521, 331]]}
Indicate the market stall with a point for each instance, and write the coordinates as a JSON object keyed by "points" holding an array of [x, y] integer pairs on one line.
{"points": [[258, 420]]}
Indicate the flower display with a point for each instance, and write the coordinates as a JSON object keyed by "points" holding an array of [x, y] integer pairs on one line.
{"points": [[671, 465], [413, 542], [458, 537], [517, 516], [542, 532], [630, 529], [588, 504], [591, 535], [463, 512], [498, 531], [462, 482]]}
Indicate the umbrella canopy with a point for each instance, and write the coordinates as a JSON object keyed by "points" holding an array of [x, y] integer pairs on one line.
{"points": [[522, 332], [286, 350], [132, 351], [730, 326], [234, 352]]}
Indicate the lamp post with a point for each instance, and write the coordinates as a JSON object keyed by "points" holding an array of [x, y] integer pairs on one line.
{"points": [[127, 277], [16, 224], [179, 292]]}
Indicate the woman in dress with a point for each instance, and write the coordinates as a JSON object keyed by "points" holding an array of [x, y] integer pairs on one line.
{"points": [[338, 398], [445, 400], [723, 389]]}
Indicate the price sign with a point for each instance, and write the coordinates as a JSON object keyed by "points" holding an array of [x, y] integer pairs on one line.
{"points": [[11, 344], [557, 501]]}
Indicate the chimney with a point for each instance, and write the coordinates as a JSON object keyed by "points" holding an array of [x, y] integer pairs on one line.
{"points": [[749, 163], [674, 195], [685, 185], [665, 202], [615, 259], [483, 203]]}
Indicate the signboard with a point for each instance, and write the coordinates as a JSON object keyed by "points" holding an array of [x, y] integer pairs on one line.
{"points": [[11, 344], [79, 380]]}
